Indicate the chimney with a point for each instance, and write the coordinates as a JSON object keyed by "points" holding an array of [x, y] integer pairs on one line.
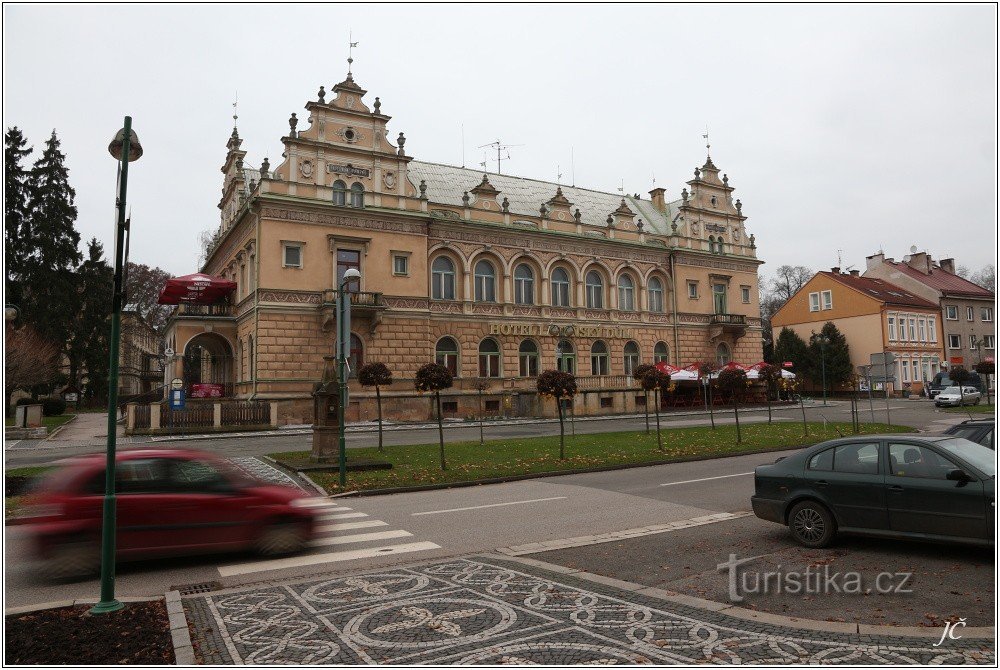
{"points": [[948, 265], [919, 261], [874, 260], [855, 273], [835, 270], [656, 195]]}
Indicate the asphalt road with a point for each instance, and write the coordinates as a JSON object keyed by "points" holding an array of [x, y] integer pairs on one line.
{"points": [[434, 524]]}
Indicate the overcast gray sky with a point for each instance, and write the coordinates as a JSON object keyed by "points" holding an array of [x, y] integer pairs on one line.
{"points": [[841, 127]]}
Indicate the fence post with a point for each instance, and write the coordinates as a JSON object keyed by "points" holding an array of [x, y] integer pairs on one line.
{"points": [[130, 417], [274, 414], [216, 414], [154, 416]]}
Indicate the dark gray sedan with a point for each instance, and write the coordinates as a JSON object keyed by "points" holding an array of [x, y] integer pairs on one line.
{"points": [[921, 487]]}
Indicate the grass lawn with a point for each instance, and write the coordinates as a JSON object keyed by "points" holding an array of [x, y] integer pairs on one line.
{"points": [[972, 409], [415, 465], [50, 422]]}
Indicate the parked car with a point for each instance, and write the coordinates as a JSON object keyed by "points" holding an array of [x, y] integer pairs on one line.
{"points": [[980, 431], [169, 502], [955, 396], [921, 487], [942, 381]]}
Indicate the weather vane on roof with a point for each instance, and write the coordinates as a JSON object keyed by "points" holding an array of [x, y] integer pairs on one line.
{"points": [[235, 103], [708, 146], [350, 50]]}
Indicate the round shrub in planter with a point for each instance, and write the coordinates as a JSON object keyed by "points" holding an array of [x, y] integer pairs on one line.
{"points": [[53, 407]]}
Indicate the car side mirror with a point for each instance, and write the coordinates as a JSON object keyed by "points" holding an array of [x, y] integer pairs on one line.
{"points": [[958, 475]]}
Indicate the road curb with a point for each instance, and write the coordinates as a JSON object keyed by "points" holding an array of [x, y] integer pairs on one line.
{"points": [[56, 604], [59, 428], [749, 615], [298, 473], [180, 635]]}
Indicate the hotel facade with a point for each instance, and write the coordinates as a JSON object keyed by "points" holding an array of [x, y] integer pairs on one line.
{"points": [[495, 276]]}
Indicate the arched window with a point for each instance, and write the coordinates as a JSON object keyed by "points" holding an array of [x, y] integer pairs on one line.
{"points": [[565, 357], [524, 285], [446, 354], [443, 279], [711, 244], [356, 355], [626, 293], [599, 358], [719, 247], [239, 361], [250, 357], [486, 282], [655, 295], [489, 358], [527, 354], [661, 353], [357, 195], [560, 288], [595, 290], [339, 193], [631, 358], [722, 354]]}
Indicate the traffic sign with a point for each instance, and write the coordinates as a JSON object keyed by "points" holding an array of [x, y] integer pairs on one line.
{"points": [[786, 364], [177, 383], [177, 399]]}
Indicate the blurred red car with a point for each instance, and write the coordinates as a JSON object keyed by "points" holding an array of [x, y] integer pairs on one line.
{"points": [[169, 502]]}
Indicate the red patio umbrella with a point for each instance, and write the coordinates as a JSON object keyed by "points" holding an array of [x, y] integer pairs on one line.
{"points": [[666, 368], [195, 289]]}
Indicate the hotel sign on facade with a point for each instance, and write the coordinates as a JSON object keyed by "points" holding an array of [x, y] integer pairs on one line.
{"points": [[562, 330]]}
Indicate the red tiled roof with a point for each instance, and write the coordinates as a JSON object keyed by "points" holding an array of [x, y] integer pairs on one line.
{"points": [[882, 290], [944, 281]]}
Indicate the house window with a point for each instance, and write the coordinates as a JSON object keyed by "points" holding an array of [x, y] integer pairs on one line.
{"points": [[814, 302], [951, 312], [446, 354], [827, 299], [954, 341], [292, 254], [661, 353], [626, 294], [489, 358], [745, 294], [486, 282], [631, 354], [599, 358], [655, 295], [719, 298], [527, 354], [607, 402], [565, 357], [560, 288], [443, 279], [986, 313], [357, 195], [401, 265], [595, 290], [348, 259], [692, 290], [902, 328], [892, 329], [913, 329], [922, 329], [722, 355], [904, 367], [916, 370], [988, 341], [449, 406], [356, 355], [524, 285], [932, 327], [339, 193], [970, 313]]}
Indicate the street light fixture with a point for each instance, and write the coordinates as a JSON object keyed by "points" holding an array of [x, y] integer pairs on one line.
{"points": [[343, 349], [10, 313], [125, 148]]}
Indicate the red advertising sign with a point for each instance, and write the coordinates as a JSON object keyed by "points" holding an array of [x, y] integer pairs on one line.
{"points": [[956, 360], [206, 390], [786, 364]]}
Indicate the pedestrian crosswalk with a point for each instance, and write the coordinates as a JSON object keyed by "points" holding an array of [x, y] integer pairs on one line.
{"points": [[337, 539]]}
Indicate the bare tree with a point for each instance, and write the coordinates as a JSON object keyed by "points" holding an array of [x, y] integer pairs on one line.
{"points": [[987, 277], [788, 280], [29, 360]]}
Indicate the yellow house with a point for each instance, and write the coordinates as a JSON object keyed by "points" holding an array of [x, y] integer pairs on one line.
{"points": [[875, 316]]}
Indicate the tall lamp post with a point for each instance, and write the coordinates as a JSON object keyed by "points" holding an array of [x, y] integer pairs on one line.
{"points": [[125, 148], [343, 349], [823, 340]]}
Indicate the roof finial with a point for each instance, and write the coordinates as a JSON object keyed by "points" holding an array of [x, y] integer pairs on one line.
{"points": [[236, 101], [708, 146], [350, 51]]}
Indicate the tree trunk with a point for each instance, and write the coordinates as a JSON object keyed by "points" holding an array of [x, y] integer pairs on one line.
{"points": [[805, 426], [562, 431], [659, 438], [736, 412], [645, 395], [480, 418], [711, 410], [767, 394], [437, 398], [378, 401]]}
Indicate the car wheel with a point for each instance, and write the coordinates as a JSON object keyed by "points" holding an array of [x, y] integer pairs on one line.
{"points": [[282, 537], [73, 559], [812, 524]]}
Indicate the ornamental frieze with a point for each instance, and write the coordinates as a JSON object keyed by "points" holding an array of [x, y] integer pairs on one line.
{"points": [[628, 316], [342, 221], [562, 312], [405, 303], [446, 307], [720, 265], [487, 309], [522, 310], [295, 297]]}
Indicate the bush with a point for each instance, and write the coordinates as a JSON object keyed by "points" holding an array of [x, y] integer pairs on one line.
{"points": [[26, 401], [53, 407]]}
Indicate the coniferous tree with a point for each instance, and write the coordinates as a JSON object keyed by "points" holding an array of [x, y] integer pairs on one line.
{"points": [[791, 347], [17, 210], [834, 357], [89, 345]]}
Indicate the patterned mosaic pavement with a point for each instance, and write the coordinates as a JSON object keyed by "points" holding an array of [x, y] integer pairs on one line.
{"points": [[488, 611]]}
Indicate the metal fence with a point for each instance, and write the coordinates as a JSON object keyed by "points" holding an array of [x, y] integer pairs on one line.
{"points": [[195, 415], [141, 416], [246, 413]]}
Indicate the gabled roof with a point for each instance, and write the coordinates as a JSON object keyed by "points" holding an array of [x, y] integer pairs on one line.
{"points": [[881, 290], [941, 280]]}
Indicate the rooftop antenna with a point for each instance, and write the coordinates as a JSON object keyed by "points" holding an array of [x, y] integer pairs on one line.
{"points": [[840, 261], [654, 178], [621, 187], [500, 147], [351, 44]]}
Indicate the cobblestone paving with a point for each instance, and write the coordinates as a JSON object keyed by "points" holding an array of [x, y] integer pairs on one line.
{"points": [[265, 471], [487, 611]]}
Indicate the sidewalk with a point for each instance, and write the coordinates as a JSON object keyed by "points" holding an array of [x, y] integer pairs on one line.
{"points": [[87, 427]]}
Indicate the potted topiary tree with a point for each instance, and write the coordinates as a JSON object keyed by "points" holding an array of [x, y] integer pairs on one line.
{"points": [[434, 377], [377, 375], [561, 386]]}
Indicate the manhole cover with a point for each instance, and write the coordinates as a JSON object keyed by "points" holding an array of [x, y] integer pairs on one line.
{"points": [[200, 587]]}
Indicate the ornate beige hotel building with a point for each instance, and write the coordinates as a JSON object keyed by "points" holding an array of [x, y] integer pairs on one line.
{"points": [[495, 276]]}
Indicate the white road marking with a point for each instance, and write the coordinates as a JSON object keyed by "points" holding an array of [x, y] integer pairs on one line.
{"points": [[349, 515], [329, 557], [349, 526], [706, 479], [317, 502], [360, 537], [462, 509]]}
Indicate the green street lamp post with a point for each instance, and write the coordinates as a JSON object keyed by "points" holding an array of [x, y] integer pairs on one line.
{"points": [[343, 348], [823, 340], [125, 148]]}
